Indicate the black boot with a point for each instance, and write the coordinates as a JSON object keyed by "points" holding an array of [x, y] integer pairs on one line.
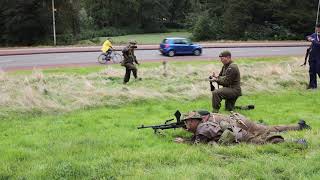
{"points": [[248, 107], [303, 125]]}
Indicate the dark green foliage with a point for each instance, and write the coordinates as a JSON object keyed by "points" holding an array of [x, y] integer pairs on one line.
{"points": [[30, 22], [148, 15], [252, 19], [207, 28], [23, 22], [268, 31]]}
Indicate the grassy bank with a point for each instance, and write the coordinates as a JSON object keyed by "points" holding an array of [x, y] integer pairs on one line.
{"points": [[65, 90], [104, 143], [80, 123]]}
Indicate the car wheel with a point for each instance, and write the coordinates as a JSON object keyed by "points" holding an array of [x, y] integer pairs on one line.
{"points": [[171, 53], [197, 52]]}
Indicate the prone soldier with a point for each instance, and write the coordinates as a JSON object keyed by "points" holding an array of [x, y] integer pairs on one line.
{"points": [[215, 128]]}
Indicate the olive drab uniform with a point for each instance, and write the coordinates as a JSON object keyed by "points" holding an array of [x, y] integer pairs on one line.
{"points": [[223, 129], [128, 62], [229, 78]]}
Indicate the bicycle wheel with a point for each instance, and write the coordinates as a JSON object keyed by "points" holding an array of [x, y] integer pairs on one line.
{"points": [[116, 58], [102, 59]]}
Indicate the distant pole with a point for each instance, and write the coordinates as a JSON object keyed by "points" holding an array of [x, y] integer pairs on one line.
{"points": [[317, 21], [318, 13], [54, 24]]}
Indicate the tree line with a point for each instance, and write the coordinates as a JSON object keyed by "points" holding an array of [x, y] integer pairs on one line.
{"points": [[29, 22]]}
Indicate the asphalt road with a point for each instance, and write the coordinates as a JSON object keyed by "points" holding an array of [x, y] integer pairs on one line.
{"points": [[83, 58]]}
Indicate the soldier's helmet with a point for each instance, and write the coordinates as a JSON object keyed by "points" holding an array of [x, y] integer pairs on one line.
{"points": [[191, 115], [132, 42], [203, 112]]}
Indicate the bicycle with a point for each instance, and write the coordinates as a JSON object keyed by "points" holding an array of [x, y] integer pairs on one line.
{"points": [[115, 57]]}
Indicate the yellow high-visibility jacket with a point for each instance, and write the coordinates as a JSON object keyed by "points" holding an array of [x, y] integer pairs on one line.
{"points": [[106, 46]]}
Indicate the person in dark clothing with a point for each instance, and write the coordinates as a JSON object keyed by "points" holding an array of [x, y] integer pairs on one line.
{"points": [[314, 58]]}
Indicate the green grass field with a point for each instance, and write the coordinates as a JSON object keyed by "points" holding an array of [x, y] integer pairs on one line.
{"points": [[80, 123]]}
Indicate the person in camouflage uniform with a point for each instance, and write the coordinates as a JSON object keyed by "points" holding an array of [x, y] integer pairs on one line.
{"points": [[229, 78], [129, 61], [215, 128]]}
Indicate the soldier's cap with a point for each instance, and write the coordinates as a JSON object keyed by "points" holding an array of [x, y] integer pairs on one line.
{"points": [[191, 115], [225, 54]]}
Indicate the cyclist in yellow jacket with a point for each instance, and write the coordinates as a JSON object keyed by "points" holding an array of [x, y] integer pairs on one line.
{"points": [[107, 48]]}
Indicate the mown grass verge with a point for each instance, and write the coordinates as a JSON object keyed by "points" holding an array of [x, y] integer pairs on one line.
{"points": [[104, 143]]}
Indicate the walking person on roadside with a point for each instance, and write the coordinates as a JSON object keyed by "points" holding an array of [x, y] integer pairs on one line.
{"points": [[129, 61]]}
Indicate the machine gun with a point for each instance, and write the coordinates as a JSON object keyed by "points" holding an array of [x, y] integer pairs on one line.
{"points": [[178, 124]]}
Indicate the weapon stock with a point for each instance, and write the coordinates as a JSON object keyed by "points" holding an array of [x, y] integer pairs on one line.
{"points": [[212, 88]]}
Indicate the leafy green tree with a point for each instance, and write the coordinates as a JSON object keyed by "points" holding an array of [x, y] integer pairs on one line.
{"points": [[152, 14], [236, 18], [298, 16], [27, 22], [207, 27], [30, 22], [178, 12], [24, 22]]}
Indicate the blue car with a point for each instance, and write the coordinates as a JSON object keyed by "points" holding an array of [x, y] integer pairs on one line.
{"points": [[179, 46]]}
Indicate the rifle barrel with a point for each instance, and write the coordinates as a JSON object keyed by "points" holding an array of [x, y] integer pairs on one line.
{"points": [[164, 126]]}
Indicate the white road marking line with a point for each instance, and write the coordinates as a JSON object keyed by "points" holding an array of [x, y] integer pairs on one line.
{"points": [[6, 61]]}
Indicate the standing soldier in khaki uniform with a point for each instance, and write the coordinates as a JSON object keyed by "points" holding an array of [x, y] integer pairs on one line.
{"points": [[217, 128], [128, 61], [229, 78]]}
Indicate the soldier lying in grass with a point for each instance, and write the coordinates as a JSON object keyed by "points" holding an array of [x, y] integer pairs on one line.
{"points": [[215, 128]]}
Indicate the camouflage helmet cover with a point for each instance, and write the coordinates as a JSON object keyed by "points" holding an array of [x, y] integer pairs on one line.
{"points": [[191, 115], [133, 42]]}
